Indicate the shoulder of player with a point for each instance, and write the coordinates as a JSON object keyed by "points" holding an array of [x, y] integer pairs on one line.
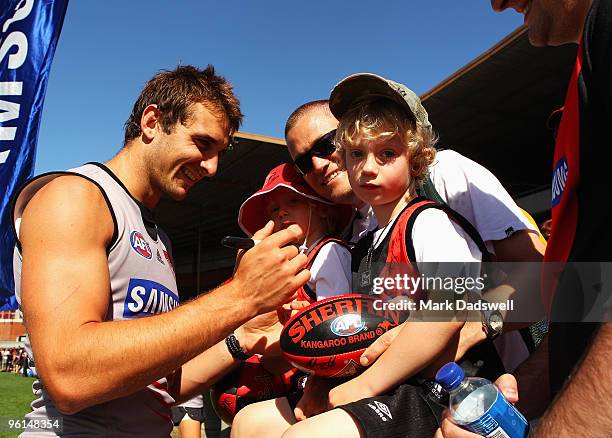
{"points": [[69, 201], [69, 191]]}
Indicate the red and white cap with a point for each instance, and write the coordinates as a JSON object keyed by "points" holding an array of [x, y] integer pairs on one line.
{"points": [[252, 215]]}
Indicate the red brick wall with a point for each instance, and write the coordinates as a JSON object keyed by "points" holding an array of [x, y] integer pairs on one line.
{"points": [[9, 331]]}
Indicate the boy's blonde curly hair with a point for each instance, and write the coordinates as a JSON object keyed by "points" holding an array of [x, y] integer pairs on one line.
{"points": [[376, 119]]}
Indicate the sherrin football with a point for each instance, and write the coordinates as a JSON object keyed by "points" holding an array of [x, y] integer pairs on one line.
{"points": [[328, 337]]}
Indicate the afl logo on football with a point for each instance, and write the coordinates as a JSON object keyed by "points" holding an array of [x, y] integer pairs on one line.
{"points": [[140, 245], [559, 180], [347, 325]]}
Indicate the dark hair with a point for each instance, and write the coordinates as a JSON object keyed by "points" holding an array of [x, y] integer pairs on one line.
{"points": [[303, 109], [175, 91]]}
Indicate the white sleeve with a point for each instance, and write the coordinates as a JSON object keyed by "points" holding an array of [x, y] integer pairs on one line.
{"points": [[436, 238], [477, 194], [330, 274], [195, 402]]}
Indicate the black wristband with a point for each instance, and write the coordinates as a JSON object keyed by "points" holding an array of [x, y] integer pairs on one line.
{"points": [[235, 349]]}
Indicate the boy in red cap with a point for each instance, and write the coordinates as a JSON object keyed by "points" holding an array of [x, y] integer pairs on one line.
{"points": [[286, 199]]}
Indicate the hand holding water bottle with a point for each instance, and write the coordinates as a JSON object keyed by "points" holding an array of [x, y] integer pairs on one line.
{"points": [[507, 385]]}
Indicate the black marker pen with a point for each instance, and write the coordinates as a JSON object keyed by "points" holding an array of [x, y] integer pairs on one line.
{"points": [[239, 242]]}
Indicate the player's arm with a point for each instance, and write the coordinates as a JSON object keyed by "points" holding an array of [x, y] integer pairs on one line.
{"points": [[201, 372], [259, 335], [66, 291], [582, 407]]}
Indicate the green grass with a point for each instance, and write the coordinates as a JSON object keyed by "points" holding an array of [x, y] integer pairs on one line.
{"points": [[15, 398]]}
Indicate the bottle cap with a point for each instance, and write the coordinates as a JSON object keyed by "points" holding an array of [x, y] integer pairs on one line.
{"points": [[450, 376]]}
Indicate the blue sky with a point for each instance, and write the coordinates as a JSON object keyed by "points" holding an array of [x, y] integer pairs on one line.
{"points": [[278, 55]]}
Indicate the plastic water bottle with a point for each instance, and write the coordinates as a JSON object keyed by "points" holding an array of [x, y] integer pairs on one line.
{"points": [[477, 405]]}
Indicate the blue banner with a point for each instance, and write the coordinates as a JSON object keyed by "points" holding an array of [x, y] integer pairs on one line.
{"points": [[29, 30]]}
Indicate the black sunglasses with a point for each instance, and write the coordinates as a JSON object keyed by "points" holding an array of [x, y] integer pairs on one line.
{"points": [[323, 147]]}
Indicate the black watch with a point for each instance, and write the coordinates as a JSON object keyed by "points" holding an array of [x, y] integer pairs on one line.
{"points": [[235, 349], [492, 323]]}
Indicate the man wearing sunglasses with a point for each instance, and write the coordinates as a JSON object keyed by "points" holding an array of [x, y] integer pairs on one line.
{"points": [[310, 131], [323, 147], [309, 134]]}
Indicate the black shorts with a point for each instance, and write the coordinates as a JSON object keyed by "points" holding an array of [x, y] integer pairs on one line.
{"points": [[407, 411], [179, 412]]}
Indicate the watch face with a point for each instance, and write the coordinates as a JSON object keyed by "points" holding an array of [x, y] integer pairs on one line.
{"points": [[496, 322]]}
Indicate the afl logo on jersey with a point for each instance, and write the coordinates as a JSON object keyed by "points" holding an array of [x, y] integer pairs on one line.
{"points": [[559, 180], [140, 245]]}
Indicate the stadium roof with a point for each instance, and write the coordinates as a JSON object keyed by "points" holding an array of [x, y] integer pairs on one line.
{"points": [[494, 110]]}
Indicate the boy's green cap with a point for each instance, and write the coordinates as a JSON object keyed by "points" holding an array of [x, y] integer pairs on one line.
{"points": [[355, 88]]}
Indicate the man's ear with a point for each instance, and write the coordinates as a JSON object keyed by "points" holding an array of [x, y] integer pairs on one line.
{"points": [[149, 122]]}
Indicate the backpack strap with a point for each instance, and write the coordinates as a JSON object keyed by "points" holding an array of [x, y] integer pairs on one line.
{"points": [[401, 252], [457, 218], [312, 255], [398, 252]]}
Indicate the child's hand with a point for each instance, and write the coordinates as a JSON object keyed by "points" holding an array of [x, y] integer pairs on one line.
{"points": [[348, 392], [288, 310], [315, 400], [261, 334], [379, 346]]}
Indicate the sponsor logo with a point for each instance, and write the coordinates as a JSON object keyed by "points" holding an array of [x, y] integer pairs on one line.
{"points": [[347, 325], [559, 179], [159, 258], [140, 244], [319, 314], [341, 342], [382, 410], [146, 297], [15, 45]]}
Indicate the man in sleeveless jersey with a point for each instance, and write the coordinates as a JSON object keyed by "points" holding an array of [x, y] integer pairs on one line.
{"points": [[95, 277], [580, 221]]}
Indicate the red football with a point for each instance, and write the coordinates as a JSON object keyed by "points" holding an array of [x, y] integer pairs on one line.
{"points": [[328, 337]]}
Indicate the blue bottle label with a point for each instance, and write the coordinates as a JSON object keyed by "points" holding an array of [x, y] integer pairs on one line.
{"points": [[502, 420]]}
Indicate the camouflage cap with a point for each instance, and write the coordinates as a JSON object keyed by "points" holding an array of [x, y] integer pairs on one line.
{"points": [[355, 88]]}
